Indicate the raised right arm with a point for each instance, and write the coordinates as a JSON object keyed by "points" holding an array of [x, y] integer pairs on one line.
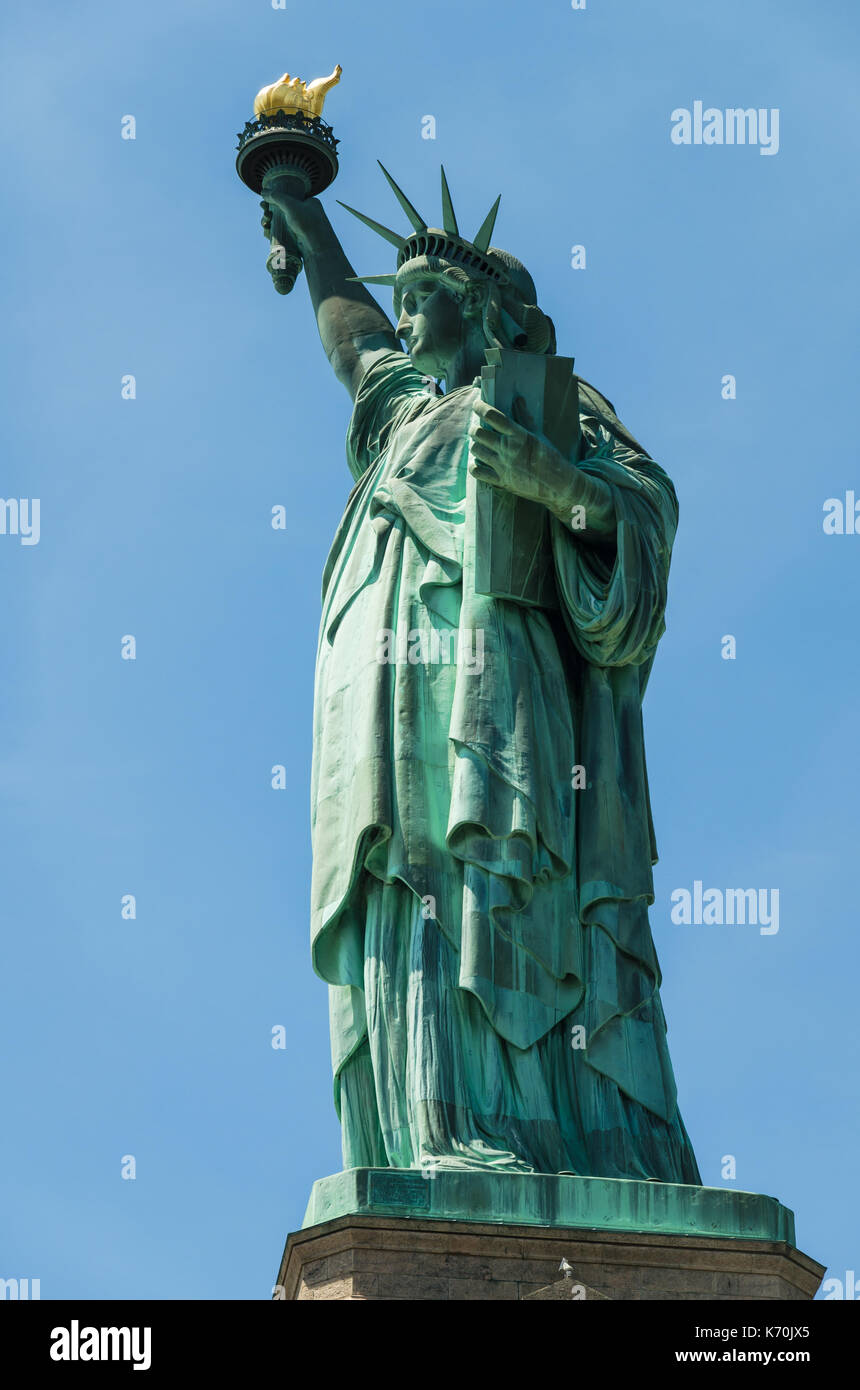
{"points": [[352, 327]]}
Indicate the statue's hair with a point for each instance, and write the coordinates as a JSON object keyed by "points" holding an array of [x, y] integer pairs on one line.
{"points": [[510, 315]]}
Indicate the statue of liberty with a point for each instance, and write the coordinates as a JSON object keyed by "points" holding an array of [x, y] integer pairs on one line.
{"points": [[481, 825]]}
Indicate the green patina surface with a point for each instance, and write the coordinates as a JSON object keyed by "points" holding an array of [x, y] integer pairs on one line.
{"points": [[550, 1200], [481, 823]]}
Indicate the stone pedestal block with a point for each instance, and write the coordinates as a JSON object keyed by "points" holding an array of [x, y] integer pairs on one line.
{"points": [[378, 1257], [464, 1234]]}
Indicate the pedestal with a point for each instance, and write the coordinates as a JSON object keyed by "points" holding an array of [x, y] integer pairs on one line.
{"points": [[395, 1234]]}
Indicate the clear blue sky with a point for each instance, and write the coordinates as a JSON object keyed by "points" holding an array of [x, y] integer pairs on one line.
{"points": [[152, 777]]}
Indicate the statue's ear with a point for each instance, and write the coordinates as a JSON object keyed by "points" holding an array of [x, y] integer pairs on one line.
{"points": [[475, 299]]}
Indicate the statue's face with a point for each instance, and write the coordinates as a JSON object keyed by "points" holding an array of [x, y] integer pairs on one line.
{"points": [[431, 325]]}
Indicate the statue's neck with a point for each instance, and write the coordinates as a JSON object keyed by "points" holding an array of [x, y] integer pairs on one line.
{"points": [[467, 364]]}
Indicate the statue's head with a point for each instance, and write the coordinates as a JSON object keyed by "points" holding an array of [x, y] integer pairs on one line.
{"points": [[448, 289]]}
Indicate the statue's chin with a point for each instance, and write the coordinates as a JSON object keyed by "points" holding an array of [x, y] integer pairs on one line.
{"points": [[424, 362]]}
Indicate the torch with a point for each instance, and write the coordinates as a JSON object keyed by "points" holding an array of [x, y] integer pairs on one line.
{"points": [[289, 139]]}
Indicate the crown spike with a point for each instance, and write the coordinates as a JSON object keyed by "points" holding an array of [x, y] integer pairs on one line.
{"points": [[481, 241], [449, 220], [394, 237], [412, 213]]}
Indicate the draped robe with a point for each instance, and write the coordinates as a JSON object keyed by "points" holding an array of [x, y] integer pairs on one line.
{"points": [[482, 923]]}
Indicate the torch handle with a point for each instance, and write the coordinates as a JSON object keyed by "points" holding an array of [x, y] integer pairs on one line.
{"points": [[284, 261]]}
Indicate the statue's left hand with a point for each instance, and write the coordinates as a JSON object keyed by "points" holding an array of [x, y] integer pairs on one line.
{"points": [[510, 454]]}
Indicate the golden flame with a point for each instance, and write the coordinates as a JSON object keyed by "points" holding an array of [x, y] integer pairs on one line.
{"points": [[291, 94]]}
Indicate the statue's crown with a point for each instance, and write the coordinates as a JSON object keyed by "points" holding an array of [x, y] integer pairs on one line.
{"points": [[516, 319], [444, 242]]}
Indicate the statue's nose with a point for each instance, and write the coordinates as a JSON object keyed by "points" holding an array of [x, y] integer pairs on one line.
{"points": [[404, 326]]}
